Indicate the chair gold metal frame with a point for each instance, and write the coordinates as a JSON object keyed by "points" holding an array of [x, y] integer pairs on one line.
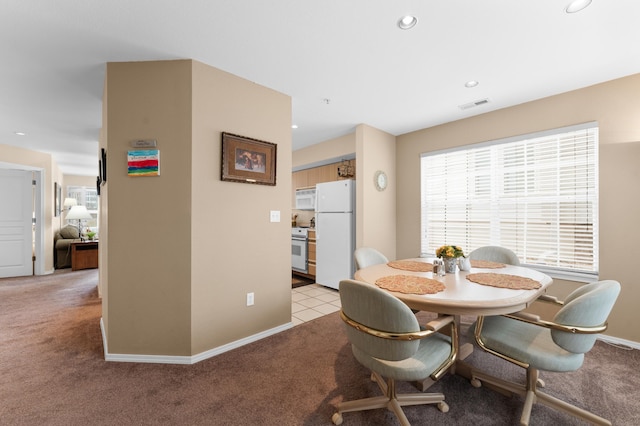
{"points": [[530, 390], [390, 398]]}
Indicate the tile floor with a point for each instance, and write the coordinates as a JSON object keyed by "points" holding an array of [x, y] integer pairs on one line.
{"points": [[312, 301]]}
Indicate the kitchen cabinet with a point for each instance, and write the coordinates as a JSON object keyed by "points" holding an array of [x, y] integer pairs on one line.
{"points": [[300, 179], [311, 252], [310, 177], [327, 173]]}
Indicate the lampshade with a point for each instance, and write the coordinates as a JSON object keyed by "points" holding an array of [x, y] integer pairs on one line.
{"points": [[78, 212], [70, 202]]}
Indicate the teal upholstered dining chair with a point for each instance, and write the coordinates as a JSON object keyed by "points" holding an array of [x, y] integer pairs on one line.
{"points": [[495, 254], [386, 338], [367, 256], [558, 345]]}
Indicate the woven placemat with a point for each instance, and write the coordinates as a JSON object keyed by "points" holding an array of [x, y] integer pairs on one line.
{"points": [[410, 284], [411, 265], [486, 264], [504, 281]]}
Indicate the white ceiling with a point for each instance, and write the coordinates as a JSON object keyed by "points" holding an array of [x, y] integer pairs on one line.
{"points": [[347, 51]]}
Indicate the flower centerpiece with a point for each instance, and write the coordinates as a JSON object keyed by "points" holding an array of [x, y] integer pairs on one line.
{"points": [[449, 251], [450, 255]]}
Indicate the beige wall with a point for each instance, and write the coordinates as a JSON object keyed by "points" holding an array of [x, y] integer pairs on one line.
{"points": [[15, 157], [148, 236], [235, 249], [344, 146], [73, 180], [376, 210], [185, 248], [615, 105], [103, 216]]}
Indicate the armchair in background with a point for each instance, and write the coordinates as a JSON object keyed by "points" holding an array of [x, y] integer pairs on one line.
{"points": [[62, 245], [367, 256], [495, 254]]}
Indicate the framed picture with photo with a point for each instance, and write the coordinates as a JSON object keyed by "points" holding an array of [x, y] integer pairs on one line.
{"points": [[57, 199], [248, 160]]}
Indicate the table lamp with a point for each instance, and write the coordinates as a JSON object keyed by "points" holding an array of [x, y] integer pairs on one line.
{"points": [[79, 213], [70, 202]]}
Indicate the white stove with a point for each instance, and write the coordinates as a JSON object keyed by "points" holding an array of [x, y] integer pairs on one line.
{"points": [[299, 255], [300, 232]]}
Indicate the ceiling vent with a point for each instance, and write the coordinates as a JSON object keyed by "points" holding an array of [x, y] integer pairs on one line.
{"points": [[474, 104]]}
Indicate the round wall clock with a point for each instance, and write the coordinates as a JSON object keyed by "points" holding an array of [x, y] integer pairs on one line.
{"points": [[380, 180]]}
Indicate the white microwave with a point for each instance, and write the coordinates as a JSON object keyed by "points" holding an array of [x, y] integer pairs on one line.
{"points": [[306, 199]]}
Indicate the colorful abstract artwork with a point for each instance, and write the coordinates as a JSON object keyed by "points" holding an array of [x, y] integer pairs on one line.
{"points": [[143, 162]]}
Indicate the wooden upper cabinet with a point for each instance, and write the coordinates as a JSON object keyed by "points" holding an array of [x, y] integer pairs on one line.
{"points": [[313, 176], [300, 179], [327, 173]]}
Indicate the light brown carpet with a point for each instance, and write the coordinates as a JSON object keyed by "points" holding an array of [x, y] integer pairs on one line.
{"points": [[52, 372]]}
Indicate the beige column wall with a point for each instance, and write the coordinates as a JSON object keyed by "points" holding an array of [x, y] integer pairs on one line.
{"points": [[376, 210], [148, 237], [184, 248], [615, 105], [235, 249]]}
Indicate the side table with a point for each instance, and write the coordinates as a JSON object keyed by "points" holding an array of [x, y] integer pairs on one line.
{"points": [[84, 255]]}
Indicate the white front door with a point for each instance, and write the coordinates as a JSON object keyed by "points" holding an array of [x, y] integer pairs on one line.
{"points": [[16, 232]]}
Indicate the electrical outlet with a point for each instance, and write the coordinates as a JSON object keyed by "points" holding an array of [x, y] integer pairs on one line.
{"points": [[249, 299], [274, 216]]}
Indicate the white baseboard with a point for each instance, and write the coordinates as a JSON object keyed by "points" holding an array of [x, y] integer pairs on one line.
{"points": [[172, 359], [619, 342]]}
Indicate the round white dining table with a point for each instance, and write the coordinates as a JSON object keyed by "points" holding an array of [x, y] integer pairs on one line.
{"points": [[461, 296]]}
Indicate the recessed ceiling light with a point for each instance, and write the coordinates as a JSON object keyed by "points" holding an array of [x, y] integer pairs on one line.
{"points": [[294, 126], [471, 83], [577, 6], [20, 133], [407, 22]]}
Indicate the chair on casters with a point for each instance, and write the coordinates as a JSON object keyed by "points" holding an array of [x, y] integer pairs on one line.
{"points": [[367, 256], [495, 254], [558, 345], [392, 345]]}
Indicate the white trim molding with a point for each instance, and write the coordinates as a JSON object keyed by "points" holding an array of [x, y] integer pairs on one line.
{"points": [[174, 359], [615, 341]]}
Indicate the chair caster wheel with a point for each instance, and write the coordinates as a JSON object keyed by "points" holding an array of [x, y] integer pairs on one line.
{"points": [[336, 419], [540, 383], [443, 406], [476, 383]]}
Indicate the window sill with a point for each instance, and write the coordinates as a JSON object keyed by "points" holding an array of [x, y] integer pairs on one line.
{"points": [[581, 277]]}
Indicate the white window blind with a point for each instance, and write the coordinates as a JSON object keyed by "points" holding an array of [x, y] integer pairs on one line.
{"points": [[536, 195]]}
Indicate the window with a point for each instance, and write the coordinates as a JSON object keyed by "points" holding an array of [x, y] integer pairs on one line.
{"points": [[535, 194], [88, 197]]}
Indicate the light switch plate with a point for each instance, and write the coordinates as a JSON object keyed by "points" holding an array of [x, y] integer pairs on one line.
{"points": [[275, 215]]}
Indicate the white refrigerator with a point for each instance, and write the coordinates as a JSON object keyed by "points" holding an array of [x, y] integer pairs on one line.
{"points": [[335, 232]]}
